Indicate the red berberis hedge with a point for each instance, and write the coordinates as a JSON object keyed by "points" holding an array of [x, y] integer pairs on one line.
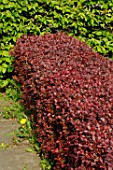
{"points": [[70, 88]]}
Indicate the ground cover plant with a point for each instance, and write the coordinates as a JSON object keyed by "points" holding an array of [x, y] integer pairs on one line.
{"points": [[69, 89]]}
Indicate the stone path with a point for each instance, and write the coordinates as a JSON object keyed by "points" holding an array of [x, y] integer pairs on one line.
{"points": [[14, 156]]}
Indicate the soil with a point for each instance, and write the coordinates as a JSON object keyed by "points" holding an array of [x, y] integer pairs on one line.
{"points": [[14, 155]]}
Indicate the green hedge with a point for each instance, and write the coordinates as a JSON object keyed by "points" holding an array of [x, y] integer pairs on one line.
{"points": [[89, 21]]}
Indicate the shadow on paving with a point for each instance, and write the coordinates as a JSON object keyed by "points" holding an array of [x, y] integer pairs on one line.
{"points": [[14, 156]]}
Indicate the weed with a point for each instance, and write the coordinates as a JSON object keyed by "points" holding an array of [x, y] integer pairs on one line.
{"points": [[25, 167], [4, 146]]}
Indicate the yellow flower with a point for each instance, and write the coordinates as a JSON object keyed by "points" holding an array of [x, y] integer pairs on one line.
{"points": [[23, 121], [2, 144]]}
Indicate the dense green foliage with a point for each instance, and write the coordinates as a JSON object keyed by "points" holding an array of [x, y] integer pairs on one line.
{"points": [[90, 21]]}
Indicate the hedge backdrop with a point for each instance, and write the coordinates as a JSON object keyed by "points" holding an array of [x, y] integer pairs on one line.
{"points": [[90, 21]]}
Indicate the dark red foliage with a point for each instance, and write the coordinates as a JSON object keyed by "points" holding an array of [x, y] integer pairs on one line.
{"points": [[70, 89]]}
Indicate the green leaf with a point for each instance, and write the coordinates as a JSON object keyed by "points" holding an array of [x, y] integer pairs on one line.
{"points": [[105, 6], [4, 65], [14, 39], [5, 53], [4, 83], [1, 61], [98, 49], [5, 1], [4, 70], [19, 35], [37, 147], [7, 60], [29, 7], [0, 68], [99, 33], [10, 69], [30, 150]]}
